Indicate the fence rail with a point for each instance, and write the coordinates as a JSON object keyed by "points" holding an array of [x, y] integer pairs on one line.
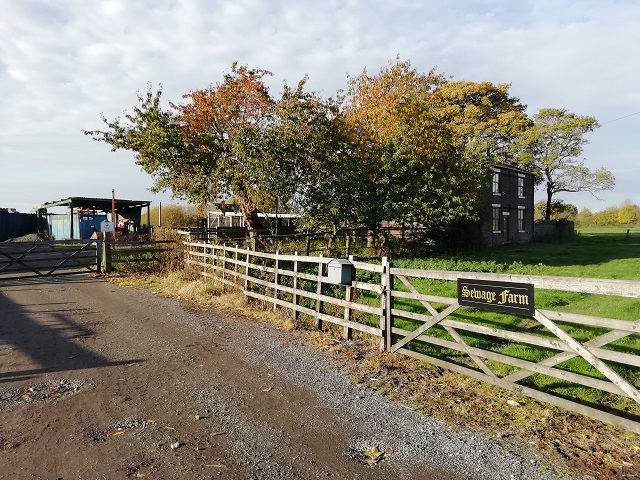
{"points": [[433, 328]]}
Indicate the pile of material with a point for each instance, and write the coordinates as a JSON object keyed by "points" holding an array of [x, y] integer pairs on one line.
{"points": [[32, 237]]}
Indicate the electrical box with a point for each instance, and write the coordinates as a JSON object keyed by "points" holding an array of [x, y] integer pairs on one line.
{"points": [[341, 271]]}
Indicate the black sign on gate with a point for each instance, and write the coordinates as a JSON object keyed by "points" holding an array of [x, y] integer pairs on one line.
{"points": [[504, 297]]}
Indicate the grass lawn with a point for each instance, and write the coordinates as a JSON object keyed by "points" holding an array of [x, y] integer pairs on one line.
{"points": [[594, 253]]}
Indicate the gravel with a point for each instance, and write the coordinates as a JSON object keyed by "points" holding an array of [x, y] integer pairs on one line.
{"points": [[46, 391], [409, 437]]}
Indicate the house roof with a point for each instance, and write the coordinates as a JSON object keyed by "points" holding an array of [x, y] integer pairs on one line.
{"points": [[511, 167], [101, 204]]}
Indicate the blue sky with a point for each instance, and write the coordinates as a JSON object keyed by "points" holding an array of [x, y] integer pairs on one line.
{"points": [[63, 62]]}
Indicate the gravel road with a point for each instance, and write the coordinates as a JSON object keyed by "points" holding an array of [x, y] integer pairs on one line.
{"points": [[104, 382]]}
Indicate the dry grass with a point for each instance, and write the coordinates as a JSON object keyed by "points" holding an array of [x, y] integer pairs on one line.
{"points": [[582, 445], [207, 293]]}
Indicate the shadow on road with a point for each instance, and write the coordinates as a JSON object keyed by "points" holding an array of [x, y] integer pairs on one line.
{"points": [[50, 334]]}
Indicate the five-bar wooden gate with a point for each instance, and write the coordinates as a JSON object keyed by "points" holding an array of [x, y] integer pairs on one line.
{"points": [[42, 259]]}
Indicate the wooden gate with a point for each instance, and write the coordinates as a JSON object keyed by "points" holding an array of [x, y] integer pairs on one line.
{"points": [[42, 259], [548, 344]]}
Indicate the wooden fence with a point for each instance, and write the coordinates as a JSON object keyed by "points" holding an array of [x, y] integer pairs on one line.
{"points": [[114, 255], [466, 342]]}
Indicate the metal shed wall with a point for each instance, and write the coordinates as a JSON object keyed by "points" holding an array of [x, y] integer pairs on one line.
{"points": [[17, 224]]}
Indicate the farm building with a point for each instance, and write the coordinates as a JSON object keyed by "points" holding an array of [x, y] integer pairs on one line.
{"points": [[85, 215], [14, 224], [230, 218]]}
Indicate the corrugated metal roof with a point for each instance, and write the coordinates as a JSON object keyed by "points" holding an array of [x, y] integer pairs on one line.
{"points": [[101, 204]]}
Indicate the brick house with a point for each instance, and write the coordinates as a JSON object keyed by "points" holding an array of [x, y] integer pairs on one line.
{"points": [[511, 219]]}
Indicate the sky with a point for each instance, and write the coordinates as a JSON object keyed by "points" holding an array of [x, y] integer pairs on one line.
{"points": [[64, 62]]}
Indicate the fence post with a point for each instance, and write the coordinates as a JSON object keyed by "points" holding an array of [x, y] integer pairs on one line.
{"points": [[99, 256], [388, 282], [224, 260], [106, 263], [296, 313], [235, 266], [347, 246], [308, 246], [347, 331], [246, 269], [319, 292], [275, 280], [384, 303]]}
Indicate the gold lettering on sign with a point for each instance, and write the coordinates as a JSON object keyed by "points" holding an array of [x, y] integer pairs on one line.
{"points": [[478, 294], [513, 298]]}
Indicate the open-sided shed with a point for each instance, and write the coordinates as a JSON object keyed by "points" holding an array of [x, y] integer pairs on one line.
{"points": [[85, 215]]}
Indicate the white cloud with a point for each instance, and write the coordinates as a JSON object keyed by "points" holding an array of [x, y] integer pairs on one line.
{"points": [[64, 62]]}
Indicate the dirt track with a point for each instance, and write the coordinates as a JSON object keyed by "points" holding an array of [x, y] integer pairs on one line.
{"points": [[99, 381]]}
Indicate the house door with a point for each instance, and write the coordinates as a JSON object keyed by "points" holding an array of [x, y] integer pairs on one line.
{"points": [[506, 233]]}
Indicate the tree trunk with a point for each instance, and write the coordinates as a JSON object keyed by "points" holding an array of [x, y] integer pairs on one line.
{"points": [[371, 238], [249, 211], [547, 210]]}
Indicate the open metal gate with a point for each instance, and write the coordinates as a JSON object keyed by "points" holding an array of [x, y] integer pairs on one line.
{"points": [[42, 259]]}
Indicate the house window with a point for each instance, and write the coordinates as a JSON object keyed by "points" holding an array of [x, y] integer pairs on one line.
{"points": [[521, 187], [521, 219], [496, 182], [496, 219]]}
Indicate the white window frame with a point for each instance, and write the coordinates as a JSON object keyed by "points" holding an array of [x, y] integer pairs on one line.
{"points": [[521, 185], [521, 220], [495, 216], [496, 182]]}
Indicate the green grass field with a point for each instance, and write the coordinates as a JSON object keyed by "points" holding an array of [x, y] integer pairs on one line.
{"points": [[594, 254]]}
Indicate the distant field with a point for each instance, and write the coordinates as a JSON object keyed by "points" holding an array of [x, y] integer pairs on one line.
{"points": [[608, 230], [595, 253]]}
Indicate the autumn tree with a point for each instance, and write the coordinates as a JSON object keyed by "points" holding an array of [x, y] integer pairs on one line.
{"points": [[628, 214], [427, 143], [231, 139], [551, 147], [485, 118], [373, 108]]}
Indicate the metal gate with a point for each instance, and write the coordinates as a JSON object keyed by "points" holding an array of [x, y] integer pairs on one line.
{"points": [[41, 259]]}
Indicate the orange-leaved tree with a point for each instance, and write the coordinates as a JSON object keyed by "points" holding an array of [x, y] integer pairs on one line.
{"points": [[231, 139], [426, 143]]}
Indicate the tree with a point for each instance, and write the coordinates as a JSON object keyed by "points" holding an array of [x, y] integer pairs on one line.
{"points": [[584, 218], [605, 218], [374, 108], [223, 127], [173, 216], [559, 210], [426, 143], [628, 214], [550, 149], [231, 139], [484, 116]]}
